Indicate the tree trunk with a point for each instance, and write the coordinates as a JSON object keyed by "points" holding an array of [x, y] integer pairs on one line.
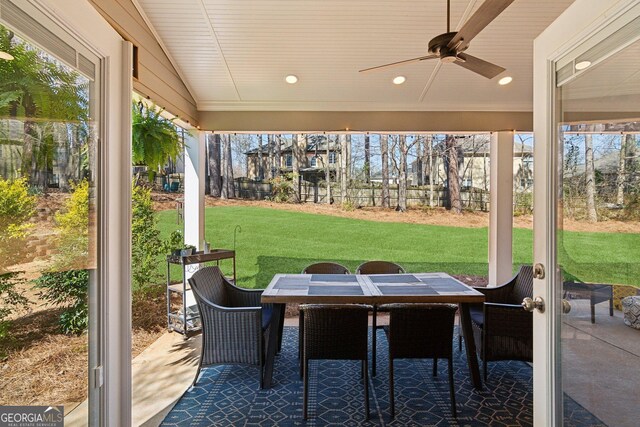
{"points": [[402, 175], [590, 183], [215, 177], [327, 172], [419, 163], [270, 148], [299, 141], [384, 151], [278, 154], [260, 164], [228, 190], [625, 141], [453, 178], [343, 168], [367, 159], [348, 159], [432, 170]]}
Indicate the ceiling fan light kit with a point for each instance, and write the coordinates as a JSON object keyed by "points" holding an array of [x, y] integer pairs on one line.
{"points": [[449, 47]]}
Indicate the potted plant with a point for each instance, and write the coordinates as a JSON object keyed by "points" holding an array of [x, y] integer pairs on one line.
{"points": [[155, 140]]}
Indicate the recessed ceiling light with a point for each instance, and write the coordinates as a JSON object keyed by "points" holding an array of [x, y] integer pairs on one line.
{"points": [[291, 79], [505, 80], [6, 55], [582, 65], [399, 80]]}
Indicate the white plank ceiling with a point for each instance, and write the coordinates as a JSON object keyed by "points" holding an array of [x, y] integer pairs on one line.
{"points": [[234, 54]]}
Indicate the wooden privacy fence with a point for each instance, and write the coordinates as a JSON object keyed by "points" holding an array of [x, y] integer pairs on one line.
{"points": [[471, 198]]}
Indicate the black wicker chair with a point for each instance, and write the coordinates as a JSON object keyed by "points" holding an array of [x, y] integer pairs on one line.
{"points": [[502, 329], [377, 267], [234, 324], [317, 268], [326, 268], [421, 331], [336, 332]]}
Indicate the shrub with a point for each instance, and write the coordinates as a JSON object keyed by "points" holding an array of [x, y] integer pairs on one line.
{"points": [[348, 205], [282, 188], [11, 301], [17, 206], [72, 224], [146, 244], [70, 290]]}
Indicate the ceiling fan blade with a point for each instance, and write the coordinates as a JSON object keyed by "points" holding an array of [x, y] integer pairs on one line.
{"points": [[393, 64], [487, 12], [477, 65]]}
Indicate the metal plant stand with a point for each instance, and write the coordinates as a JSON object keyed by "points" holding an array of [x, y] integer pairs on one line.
{"points": [[180, 320]]}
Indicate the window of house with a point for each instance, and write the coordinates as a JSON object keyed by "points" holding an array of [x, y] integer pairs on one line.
{"points": [[332, 157], [288, 161], [314, 161]]}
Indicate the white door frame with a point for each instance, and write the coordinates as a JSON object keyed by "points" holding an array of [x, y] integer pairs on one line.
{"points": [[583, 22]]}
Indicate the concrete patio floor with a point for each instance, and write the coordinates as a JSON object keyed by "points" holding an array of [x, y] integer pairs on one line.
{"points": [[601, 363]]}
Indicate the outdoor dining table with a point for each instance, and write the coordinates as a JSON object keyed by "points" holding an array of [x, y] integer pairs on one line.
{"points": [[373, 289]]}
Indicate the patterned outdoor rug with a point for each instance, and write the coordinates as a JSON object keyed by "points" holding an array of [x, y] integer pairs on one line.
{"points": [[230, 395]]}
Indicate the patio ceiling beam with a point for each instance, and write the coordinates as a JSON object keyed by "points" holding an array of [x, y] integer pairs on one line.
{"points": [[364, 121]]}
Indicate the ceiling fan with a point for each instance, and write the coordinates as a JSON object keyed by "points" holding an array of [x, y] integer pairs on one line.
{"points": [[450, 46]]}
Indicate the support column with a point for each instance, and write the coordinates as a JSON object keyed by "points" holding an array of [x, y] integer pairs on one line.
{"points": [[194, 177], [501, 208]]}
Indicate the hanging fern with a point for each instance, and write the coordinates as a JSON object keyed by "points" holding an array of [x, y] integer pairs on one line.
{"points": [[155, 139]]}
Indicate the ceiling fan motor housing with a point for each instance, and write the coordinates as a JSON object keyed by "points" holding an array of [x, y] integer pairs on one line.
{"points": [[439, 46]]}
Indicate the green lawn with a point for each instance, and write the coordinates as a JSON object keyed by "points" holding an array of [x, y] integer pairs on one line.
{"points": [[275, 241]]}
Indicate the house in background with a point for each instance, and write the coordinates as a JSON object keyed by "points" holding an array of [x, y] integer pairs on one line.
{"points": [[313, 163], [474, 165]]}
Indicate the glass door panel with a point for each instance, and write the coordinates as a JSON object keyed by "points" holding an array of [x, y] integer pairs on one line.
{"points": [[598, 239], [48, 220]]}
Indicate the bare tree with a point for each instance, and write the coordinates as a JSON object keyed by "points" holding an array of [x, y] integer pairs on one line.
{"points": [[419, 163], [298, 151], [453, 178], [228, 190], [402, 174], [367, 159], [625, 142], [213, 145], [432, 168], [278, 154], [590, 183], [260, 160], [384, 151], [270, 156], [342, 139], [327, 170]]}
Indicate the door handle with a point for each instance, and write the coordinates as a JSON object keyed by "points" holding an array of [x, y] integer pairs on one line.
{"points": [[566, 306], [538, 271], [530, 304]]}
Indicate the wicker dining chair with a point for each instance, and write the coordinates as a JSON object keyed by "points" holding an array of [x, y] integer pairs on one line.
{"points": [[326, 268], [335, 332], [377, 267], [235, 326], [317, 268], [502, 329], [421, 331]]}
